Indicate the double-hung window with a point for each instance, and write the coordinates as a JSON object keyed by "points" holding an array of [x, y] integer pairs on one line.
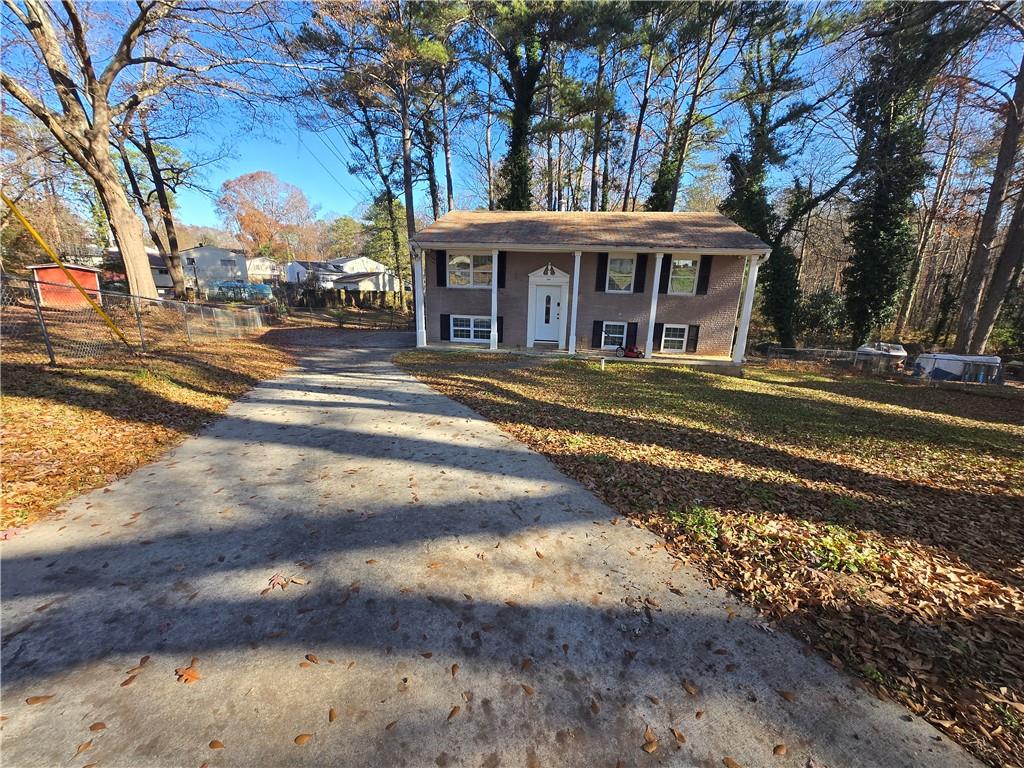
{"points": [[683, 276], [673, 338], [470, 328], [621, 270], [613, 335], [470, 271]]}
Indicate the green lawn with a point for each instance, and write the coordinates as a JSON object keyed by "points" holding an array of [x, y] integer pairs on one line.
{"points": [[883, 523]]}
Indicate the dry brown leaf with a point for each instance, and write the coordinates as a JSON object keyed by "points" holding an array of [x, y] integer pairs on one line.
{"points": [[188, 674], [788, 696], [312, 658], [678, 735], [332, 715], [434, 566], [527, 689], [455, 710], [128, 680], [390, 726], [526, 664], [38, 699], [97, 726], [302, 738], [537, 552], [305, 664], [455, 670], [83, 746], [427, 654], [780, 750], [300, 581], [215, 744], [691, 689], [594, 706], [728, 762], [649, 746]]}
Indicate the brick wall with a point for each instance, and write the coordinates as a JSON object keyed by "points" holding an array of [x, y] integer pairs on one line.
{"points": [[715, 312]]}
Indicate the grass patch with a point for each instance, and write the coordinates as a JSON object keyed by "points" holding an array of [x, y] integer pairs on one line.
{"points": [[72, 428], [884, 522]]}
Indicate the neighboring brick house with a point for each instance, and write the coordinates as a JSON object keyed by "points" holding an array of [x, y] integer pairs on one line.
{"points": [[578, 281]]}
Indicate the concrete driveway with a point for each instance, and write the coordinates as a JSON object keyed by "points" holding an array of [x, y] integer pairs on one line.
{"points": [[451, 600]]}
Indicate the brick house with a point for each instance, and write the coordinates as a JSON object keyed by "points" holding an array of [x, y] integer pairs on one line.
{"points": [[670, 283]]}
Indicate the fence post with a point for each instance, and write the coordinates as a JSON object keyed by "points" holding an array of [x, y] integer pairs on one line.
{"points": [[42, 323], [184, 317], [138, 322]]}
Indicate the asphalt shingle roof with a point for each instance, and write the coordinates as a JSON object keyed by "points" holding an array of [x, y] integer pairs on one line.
{"points": [[588, 230]]}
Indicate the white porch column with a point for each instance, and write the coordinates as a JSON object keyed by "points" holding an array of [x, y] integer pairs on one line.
{"points": [[417, 295], [740, 347], [575, 301], [494, 299], [659, 258]]}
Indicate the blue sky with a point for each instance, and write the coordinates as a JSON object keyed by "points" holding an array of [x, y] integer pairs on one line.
{"points": [[292, 155]]}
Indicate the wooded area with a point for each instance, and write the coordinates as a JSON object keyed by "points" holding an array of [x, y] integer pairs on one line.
{"points": [[876, 148]]}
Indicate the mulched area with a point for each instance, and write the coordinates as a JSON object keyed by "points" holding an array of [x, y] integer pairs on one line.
{"points": [[76, 427], [881, 523]]}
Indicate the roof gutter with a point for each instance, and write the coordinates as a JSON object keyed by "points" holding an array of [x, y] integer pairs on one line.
{"points": [[592, 248]]}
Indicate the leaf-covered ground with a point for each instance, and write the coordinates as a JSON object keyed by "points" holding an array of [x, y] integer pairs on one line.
{"points": [[79, 426], [882, 523]]}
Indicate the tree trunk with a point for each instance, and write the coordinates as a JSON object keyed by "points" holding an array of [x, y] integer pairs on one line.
{"points": [[1009, 262], [171, 256], [145, 206], [909, 293], [123, 222], [595, 150], [487, 141], [638, 130], [549, 108], [410, 203], [982, 257], [446, 142], [429, 151]]}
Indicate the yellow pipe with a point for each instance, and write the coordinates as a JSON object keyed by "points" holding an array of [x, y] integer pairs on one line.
{"points": [[53, 257]]}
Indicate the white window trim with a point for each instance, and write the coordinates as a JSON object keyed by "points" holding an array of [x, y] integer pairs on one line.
{"points": [[608, 273], [472, 327], [696, 276], [604, 333], [472, 286], [686, 338]]}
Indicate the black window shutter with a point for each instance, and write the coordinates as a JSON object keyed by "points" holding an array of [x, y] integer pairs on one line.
{"points": [[595, 339], [441, 258], [446, 327], [602, 272], [659, 331], [666, 273], [692, 334], [501, 272], [631, 329], [501, 327], [640, 273], [703, 275]]}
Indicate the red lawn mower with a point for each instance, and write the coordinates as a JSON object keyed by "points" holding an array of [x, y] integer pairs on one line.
{"points": [[631, 351]]}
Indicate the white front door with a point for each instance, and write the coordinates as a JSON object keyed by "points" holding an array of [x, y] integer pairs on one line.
{"points": [[547, 320]]}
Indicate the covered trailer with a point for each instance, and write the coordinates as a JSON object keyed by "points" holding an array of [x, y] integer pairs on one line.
{"points": [[980, 369]]}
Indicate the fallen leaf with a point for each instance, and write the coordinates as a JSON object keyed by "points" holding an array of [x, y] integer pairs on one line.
{"points": [[728, 762], [455, 710], [427, 654], [691, 689], [788, 696], [97, 726], [332, 715], [678, 735], [594, 706], [526, 664], [305, 664], [216, 744], [302, 738], [455, 670], [38, 699], [527, 689], [311, 657], [649, 746], [128, 680], [390, 725], [434, 566], [83, 746], [188, 674], [780, 750], [299, 581], [537, 552]]}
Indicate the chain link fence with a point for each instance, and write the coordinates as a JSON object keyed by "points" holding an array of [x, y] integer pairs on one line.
{"points": [[51, 322]]}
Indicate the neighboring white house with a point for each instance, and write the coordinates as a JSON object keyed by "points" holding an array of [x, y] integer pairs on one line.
{"points": [[354, 273], [161, 274], [263, 269], [206, 264]]}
